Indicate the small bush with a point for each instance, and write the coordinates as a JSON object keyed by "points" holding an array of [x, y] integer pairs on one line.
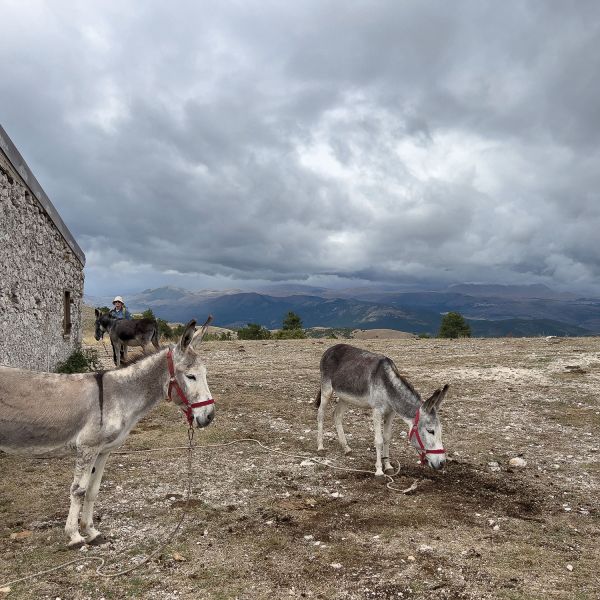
{"points": [[224, 336], [290, 334], [80, 361], [253, 331]]}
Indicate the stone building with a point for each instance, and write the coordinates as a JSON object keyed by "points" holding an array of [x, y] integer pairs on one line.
{"points": [[41, 271]]}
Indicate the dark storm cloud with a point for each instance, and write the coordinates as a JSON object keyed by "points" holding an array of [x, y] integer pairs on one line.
{"points": [[216, 142]]}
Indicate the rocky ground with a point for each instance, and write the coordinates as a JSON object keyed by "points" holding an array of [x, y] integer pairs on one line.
{"points": [[262, 524]]}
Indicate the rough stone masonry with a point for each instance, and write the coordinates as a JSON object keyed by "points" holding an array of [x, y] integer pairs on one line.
{"points": [[41, 271]]}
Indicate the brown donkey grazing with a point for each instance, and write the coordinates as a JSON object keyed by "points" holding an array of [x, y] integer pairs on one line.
{"points": [[92, 414], [367, 380]]}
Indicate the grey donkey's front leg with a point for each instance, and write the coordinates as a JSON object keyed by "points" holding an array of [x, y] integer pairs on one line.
{"points": [[387, 436], [84, 464], [87, 513]]}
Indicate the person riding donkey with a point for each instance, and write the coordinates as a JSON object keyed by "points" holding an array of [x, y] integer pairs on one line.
{"points": [[125, 331], [120, 312]]}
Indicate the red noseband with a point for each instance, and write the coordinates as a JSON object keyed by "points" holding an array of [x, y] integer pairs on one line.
{"points": [[186, 405], [415, 431]]}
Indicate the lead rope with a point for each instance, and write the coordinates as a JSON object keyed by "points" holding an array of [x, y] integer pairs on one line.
{"points": [[190, 448], [102, 561]]}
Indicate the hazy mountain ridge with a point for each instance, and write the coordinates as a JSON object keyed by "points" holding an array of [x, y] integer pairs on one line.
{"points": [[515, 310]]}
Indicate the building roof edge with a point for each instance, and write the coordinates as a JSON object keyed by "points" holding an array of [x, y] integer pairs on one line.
{"points": [[22, 168]]}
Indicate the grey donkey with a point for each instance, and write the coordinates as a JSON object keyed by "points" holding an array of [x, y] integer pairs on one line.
{"points": [[125, 332], [367, 380], [92, 414]]}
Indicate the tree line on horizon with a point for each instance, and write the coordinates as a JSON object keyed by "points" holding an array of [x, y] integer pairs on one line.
{"points": [[452, 326]]}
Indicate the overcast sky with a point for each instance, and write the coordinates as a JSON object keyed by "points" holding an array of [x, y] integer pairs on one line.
{"points": [[224, 144]]}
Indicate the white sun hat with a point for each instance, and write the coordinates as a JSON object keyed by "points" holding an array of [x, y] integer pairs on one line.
{"points": [[118, 299]]}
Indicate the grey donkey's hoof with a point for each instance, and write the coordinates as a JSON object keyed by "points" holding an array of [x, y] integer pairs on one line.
{"points": [[347, 451], [321, 451], [389, 471], [76, 545], [379, 475]]}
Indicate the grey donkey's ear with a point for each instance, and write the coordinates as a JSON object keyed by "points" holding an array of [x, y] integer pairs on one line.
{"points": [[199, 335], [435, 399], [97, 312], [188, 335]]}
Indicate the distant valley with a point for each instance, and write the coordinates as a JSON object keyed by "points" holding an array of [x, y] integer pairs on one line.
{"points": [[492, 311]]}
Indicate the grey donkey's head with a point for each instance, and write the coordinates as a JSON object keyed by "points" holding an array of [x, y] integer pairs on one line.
{"points": [[190, 374], [103, 324], [426, 432]]}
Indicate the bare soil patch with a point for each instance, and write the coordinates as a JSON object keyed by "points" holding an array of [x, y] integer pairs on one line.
{"points": [[267, 525]]}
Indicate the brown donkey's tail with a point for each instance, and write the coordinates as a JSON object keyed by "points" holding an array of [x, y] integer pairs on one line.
{"points": [[318, 398], [155, 336]]}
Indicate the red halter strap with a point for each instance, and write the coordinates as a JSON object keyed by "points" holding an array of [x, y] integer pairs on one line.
{"points": [[415, 431], [186, 405]]}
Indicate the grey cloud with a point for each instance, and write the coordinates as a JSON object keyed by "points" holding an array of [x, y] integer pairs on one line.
{"points": [[414, 141]]}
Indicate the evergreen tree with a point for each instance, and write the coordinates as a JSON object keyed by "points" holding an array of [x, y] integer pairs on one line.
{"points": [[454, 326], [291, 321]]}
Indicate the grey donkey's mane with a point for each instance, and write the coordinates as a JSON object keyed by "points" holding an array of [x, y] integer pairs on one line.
{"points": [[404, 381]]}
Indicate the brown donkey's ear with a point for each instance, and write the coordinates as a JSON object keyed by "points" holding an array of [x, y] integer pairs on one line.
{"points": [[188, 335]]}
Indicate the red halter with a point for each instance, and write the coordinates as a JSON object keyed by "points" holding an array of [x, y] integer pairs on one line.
{"points": [[186, 406], [415, 431]]}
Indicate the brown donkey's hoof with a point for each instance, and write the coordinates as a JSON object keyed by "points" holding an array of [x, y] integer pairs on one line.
{"points": [[97, 541]]}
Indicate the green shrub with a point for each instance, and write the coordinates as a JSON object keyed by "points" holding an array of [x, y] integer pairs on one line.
{"points": [[253, 331], [80, 361], [290, 334]]}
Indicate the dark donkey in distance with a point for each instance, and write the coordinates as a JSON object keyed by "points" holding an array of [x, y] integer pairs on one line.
{"points": [[124, 333]]}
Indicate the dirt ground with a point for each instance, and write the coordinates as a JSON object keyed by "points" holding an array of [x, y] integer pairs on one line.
{"points": [[266, 525]]}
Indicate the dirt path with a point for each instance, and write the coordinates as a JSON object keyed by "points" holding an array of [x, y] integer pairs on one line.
{"points": [[269, 526]]}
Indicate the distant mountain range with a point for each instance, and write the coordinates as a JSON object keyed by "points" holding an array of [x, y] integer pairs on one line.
{"points": [[492, 310]]}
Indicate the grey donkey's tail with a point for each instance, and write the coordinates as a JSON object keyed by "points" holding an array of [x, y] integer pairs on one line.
{"points": [[318, 398]]}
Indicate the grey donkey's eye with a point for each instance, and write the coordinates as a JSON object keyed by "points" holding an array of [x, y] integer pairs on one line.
{"points": [[191, 377], [431, 431]]}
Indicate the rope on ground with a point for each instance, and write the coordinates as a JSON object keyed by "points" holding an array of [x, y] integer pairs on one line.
{"points": [[190, 447], [160, 548], [318, 461]]}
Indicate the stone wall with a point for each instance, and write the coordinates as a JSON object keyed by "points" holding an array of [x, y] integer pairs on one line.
{"points": [[37, 267]]}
